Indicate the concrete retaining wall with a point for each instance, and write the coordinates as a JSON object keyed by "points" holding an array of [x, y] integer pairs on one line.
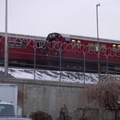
{"points": [[47, 96]]}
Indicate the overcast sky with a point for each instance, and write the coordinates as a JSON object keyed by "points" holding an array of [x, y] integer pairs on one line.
{"points": [[77, 17]]}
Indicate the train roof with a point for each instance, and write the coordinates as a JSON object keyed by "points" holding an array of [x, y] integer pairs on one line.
{"points": [[95, 39], [62, 35], [23, 36], [86, 38]]}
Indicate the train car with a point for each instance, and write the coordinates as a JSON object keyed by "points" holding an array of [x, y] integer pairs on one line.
{"points": [[83, 53], [22, 49], [62, 52]]}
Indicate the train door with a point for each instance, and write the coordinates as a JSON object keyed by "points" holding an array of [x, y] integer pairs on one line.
{"points": [[54, 52], [40, 52]]}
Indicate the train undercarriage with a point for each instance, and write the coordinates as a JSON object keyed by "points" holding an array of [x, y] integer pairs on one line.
{"points": [[67, 65]]}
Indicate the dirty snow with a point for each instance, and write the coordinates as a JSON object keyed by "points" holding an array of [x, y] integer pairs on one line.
{"points": [[51, 75]]}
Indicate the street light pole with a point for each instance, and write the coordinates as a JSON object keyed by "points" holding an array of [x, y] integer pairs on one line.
{"points": [[6, 42], [98, 41]]}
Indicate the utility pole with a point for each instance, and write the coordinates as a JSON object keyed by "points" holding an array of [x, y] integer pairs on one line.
{"points": [[98, 41], [6, 42]]}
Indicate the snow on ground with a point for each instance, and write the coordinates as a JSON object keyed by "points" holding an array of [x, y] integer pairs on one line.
{"points": [[63, 76]]}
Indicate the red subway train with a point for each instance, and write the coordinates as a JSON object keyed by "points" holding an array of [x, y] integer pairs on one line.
{"points": [[22, 49], [62, 51], [85, 53]]}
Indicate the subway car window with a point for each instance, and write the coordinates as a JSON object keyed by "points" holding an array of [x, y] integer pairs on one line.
{"points": [[37, 44], [11, 43], [73, 43], [18, 43], [24, 44], [118, 47], [67, 39], [114, 47], [97, 47], [78, 43], [103, 48], [91, 47], [40, 44]]}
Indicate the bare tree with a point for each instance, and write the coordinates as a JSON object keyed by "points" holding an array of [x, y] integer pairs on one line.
{"points": [[106, 93]]}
